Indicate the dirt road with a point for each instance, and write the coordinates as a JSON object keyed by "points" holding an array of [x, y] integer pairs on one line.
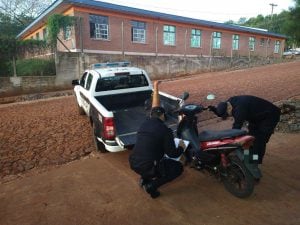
{"points": [[38, 187]]}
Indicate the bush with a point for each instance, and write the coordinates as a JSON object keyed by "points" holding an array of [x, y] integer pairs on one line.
{"points": [[36, 67], [6, 69]]}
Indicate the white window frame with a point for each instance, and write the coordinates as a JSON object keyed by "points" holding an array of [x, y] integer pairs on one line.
{"points": [[67, 32], [138, 32], [101, 29], [169, 37], [277, 46], [235, 42], [217, 40], [195, 38], [251, 43]]}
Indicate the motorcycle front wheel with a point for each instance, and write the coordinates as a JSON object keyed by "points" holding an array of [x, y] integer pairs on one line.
{"points": [[237, 179]]}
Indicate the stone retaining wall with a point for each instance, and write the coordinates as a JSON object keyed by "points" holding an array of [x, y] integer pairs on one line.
{"points": [[290, 116]]}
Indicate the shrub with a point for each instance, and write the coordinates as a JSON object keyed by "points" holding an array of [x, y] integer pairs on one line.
{"points": [[36, 67]]}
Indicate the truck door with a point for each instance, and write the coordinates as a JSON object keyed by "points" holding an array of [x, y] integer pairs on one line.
{"points": [[85, 84], [82, 94]]}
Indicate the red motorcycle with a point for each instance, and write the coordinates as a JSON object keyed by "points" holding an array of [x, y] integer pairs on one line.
{"points": [[222, 153]]}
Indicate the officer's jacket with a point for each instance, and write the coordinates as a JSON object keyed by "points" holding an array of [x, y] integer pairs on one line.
{"points": [[154, 139], [255, 110]]}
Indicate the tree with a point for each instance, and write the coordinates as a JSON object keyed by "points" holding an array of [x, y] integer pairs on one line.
{"points": [[15, 15], [292, 25], [29, 8]]}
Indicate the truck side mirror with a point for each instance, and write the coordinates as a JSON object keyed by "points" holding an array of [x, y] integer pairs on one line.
{"points": [[75, 82]]}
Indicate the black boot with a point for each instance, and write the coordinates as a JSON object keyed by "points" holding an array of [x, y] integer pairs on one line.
{"points": [[151, 190], [142, 182]]}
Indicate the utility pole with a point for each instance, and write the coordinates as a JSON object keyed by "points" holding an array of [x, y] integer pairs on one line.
{"points": [[272, 5]]}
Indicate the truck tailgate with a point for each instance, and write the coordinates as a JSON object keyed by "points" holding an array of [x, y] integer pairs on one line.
{"points": [[128, 121]]}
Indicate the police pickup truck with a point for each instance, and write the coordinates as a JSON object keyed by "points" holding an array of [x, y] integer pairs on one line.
{"points": [[117, 99]]}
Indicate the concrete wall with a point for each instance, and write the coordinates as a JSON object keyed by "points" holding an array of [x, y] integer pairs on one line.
{"points": [[71, 66], [11, 86]]}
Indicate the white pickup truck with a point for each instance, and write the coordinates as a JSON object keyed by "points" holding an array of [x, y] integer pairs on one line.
{"points": [[117, 99]]}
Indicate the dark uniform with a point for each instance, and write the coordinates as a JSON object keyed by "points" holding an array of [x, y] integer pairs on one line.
{"points": [[262, 117], [154, 139]]}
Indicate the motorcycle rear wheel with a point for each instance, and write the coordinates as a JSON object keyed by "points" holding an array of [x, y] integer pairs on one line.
{"points": [[237, 179]]}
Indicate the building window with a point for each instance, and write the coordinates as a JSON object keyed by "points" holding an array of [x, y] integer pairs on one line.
{"points": [[138, 32], [262, 42], [99, 27], [169, 35], [235, 41], [217, 40], [195, 38], [67, 32], [37, 36], [251, 43], [276, 46], [45, 34]]}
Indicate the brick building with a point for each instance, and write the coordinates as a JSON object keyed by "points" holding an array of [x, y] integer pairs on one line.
{"points": [[113, 29]]}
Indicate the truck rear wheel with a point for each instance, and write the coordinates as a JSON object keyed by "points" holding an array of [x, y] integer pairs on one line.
{"points": [[98, 145]]}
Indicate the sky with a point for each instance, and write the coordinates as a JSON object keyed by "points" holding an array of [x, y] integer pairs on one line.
{"points": [[212, 10]]}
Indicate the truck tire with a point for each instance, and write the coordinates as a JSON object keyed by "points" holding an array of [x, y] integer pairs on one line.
{"points": [[98, 145], [80, 110]]}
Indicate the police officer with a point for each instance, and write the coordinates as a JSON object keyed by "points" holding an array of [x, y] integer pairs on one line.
{"points": [[262, 117], [154, 140]]}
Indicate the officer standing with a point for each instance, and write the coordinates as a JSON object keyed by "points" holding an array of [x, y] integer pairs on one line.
{"points": [[262, 117]]}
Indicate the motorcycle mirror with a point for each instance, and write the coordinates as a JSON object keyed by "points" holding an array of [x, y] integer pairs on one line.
{"points": [[210, 97], [184, 95]]}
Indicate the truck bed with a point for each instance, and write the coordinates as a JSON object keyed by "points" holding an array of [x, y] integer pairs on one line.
{"points": [[128, 121], [131, 110]]}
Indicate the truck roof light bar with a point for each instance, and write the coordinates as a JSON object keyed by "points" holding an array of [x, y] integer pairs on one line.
{"points": [[110, 64]]}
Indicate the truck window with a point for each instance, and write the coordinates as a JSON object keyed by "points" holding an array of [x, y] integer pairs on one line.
{"points": [[121, 82], [89, 81], [83, 78]]}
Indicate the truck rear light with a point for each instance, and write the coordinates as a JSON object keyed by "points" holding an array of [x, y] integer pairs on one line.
{"points": [[108, 128]]}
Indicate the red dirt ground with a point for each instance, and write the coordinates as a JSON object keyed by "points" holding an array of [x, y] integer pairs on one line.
{"points": [[38, 186]]}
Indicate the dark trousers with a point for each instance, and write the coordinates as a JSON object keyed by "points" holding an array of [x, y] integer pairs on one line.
{"points": [[165, 171], [259, 145], [262, 133]]}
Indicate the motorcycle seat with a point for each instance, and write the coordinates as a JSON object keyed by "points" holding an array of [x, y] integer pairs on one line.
{"points": [[210, 135]]}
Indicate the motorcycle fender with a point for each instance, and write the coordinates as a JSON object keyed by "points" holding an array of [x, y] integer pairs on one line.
{"points": [[243, 155], [239, 153]]}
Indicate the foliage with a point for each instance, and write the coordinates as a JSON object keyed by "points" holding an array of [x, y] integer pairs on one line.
{"points": [[10, 47], [293, 25], [7, 47], [55, 23], [36, 67], [287, 23], [10, 27], [29, 67], [16, 9], [15, 15]]}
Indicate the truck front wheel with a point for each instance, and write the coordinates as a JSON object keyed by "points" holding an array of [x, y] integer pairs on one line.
{"points": [[98, 145]]}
